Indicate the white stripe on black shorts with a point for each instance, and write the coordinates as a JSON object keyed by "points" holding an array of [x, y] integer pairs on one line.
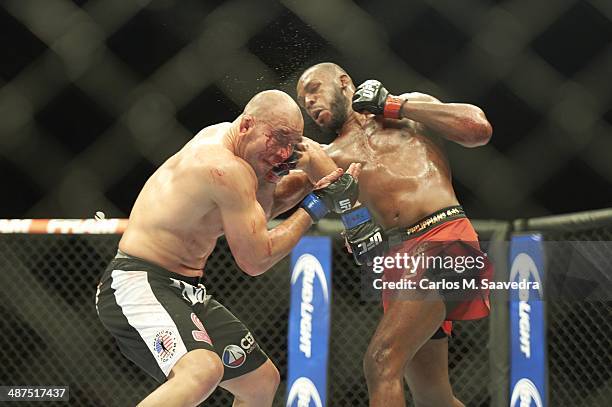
{"points": [[157, 316]]}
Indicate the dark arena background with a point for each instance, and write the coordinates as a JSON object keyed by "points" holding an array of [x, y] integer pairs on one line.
{"points": [[95, 95]]}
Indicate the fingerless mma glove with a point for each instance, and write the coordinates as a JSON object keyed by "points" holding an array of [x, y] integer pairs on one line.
{"points": [[365, 237], [339, 196], [371, 96]]}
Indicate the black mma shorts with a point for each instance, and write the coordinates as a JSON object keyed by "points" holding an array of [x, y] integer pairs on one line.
{"points": [[157, 316]]}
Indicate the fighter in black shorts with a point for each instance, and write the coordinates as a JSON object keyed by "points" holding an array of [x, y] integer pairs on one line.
{"points": [[157, 316], [225, 181]]}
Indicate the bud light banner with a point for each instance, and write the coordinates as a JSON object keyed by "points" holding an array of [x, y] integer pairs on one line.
{"points": [[527, 324], [309, 322]]}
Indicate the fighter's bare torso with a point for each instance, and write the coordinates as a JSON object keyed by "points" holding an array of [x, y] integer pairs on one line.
{"points": [[173, 227], [405, 174]]}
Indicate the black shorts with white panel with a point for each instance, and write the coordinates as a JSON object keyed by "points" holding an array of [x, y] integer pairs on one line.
{"points": [[157, 316]]}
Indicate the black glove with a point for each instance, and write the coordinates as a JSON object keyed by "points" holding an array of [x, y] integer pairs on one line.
{"points": [[371, 96], [366, 239], [282, 169], [339, 196]]}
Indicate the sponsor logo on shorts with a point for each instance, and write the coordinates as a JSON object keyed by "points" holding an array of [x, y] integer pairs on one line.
{"points": [[165, 345], [233, 356], [190, 293], [200, 334], [305, 391], [248, 343], [524, 393]]}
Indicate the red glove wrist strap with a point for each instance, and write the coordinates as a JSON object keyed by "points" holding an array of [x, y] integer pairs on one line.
{"points": [[393, 107]]}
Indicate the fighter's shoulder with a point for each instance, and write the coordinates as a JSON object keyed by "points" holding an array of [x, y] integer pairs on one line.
{"points": [[418, 97], [213, 129], [225, 164], [207, 151], [307, 141], [228, 177]]}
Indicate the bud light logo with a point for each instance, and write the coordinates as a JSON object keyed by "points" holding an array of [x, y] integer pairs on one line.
{"points": [[308, 338], [309, 267], [526, 270], [525, 394], [304, 392], [527, 322]]}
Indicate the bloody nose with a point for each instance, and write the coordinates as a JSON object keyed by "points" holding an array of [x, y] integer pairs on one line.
{"points": [[284, 153]]}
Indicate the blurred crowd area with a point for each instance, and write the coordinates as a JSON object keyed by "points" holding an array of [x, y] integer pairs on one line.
{"points": [[96, 94]]}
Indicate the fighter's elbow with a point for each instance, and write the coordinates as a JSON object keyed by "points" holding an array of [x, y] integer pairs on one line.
{"points": [[480, 131], [252, 268], [482, 134]]}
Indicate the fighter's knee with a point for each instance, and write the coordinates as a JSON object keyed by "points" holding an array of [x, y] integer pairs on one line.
{"points": [[203, 369], [211, 376], [377, 363], [269, 379], [261, 386]]}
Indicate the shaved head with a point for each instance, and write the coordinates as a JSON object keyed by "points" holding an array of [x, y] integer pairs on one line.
{"points": [[325, 68], [269, 127], [275, 107]]}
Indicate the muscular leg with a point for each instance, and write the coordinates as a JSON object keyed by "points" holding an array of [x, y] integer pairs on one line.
{"points": [[404, 328], [256, 388], [427, 376], [192, 379]]}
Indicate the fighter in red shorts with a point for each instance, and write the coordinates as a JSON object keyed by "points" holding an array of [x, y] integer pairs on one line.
{"points": [[406, 184]]}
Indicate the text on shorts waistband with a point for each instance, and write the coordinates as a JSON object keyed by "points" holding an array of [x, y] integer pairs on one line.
{"points": [[400, 234]]}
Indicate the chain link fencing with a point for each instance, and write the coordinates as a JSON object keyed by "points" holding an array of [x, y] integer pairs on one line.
{"points": [[579, 332], [101, 92], [52, 334]]}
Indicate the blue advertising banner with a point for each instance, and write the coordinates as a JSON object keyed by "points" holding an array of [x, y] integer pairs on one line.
{"points": [[309, 322], [527, 323]]}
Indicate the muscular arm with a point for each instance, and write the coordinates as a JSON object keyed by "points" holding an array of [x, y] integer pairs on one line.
{"points": [[314, 165], [290, 191], [254, 247], [459, 122]]}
